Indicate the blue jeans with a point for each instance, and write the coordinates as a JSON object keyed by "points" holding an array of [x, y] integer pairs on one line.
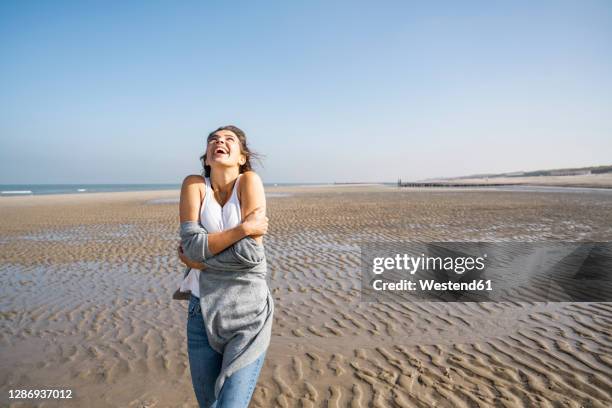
{"points": [[205, 366]]}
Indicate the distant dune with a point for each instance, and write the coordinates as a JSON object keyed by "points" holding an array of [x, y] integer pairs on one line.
{"points": [[584, 180], [593, 176]]}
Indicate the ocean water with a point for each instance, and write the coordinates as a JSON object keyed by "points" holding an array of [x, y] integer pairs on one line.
{"points": [[44, 189], [7, 190]]}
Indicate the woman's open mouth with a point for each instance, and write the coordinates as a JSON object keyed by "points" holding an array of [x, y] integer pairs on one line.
{"points": [[220, 151]]}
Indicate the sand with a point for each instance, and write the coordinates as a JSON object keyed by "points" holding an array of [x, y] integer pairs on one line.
{"points": [[87, 283]]}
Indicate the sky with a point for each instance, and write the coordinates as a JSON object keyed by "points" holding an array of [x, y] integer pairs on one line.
{"points": [[326, 91]]}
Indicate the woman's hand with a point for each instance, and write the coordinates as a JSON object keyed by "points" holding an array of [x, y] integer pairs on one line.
{"points": [[256, 223], [189, 262]]}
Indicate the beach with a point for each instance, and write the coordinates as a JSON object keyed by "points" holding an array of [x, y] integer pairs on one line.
{"points": [[86, 303]]}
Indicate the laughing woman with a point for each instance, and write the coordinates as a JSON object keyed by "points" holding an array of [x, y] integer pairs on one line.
{"points": [[230, 309]]}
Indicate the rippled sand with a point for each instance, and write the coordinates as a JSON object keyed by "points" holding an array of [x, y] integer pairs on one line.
{"points": [[86, 303]]}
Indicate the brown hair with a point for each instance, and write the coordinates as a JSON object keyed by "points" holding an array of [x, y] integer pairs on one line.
{"points": [[244, 149]]}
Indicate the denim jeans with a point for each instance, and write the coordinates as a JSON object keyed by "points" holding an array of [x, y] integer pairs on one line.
{"points": [[205, 365]]}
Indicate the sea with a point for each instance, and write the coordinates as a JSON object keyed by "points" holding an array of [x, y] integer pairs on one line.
{"points": [[46, 189], [7, 190]]}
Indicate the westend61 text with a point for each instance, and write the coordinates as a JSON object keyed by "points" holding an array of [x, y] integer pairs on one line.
{"points": [[431, 285]]}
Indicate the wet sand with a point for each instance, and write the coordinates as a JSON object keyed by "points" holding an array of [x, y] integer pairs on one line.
{"points": [[86, 303]]}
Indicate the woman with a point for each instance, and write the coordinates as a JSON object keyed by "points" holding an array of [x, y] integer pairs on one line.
{"points": [[230, 307]]}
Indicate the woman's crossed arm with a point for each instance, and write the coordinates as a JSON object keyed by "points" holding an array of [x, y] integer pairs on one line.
{"points": [[255, 223]]}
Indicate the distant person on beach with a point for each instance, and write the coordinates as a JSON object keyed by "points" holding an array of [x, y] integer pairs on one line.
{"points": [[230, 311]]}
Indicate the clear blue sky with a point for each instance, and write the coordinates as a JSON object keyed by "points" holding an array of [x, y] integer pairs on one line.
{"points": [[126, 92]]}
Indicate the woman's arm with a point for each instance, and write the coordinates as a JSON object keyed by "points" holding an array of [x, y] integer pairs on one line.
{"points": [[195, 240], [188, 262], [252, 199], [192, 194]]}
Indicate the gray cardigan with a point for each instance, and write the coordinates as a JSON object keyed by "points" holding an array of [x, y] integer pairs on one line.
{"points": [[236, 303]]}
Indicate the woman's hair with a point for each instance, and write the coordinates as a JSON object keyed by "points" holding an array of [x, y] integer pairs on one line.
{"points": [[244, 149]]}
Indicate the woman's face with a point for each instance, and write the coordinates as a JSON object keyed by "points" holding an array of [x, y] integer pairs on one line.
{"points": [[224, 150]]}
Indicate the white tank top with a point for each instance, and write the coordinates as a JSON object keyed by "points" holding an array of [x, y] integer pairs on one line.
{"points": [[214, 218]]}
